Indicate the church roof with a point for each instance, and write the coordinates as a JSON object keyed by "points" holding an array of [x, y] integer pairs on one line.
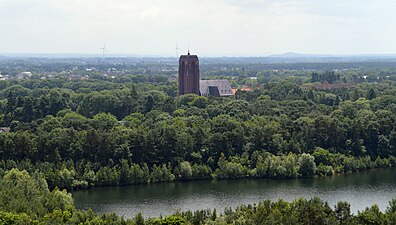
{"points": [[219, 88]]}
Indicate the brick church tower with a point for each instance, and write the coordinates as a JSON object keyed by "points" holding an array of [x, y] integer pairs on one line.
{"points": [[188, 74]]}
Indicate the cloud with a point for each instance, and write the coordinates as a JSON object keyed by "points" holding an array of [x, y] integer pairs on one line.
{"points": [[237, 27]]}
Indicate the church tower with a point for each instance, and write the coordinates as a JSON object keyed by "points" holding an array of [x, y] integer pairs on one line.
{"points": [[188, 74]]}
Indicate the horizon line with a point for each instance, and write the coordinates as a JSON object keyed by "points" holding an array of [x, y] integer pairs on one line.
{"points": [[207, 55]]}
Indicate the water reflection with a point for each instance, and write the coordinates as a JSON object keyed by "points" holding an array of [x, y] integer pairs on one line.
{"points": [[361, 190]]}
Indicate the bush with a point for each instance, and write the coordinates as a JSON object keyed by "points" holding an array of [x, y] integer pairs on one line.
{"points": [[323, 170], [307, 165], [185, 171]]}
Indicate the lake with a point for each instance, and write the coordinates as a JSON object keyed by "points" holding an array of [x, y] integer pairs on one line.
{"points": [[359, 189]]}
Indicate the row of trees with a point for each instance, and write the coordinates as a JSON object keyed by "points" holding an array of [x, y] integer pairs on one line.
{"points": [[330, 77], [29, 100], [300, 211], [85, 174], [354, 128]]}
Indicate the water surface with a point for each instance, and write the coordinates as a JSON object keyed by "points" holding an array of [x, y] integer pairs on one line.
{"points": [[359, 189]]}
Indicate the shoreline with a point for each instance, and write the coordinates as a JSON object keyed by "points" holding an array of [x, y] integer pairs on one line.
{"points": [[241, 178]]}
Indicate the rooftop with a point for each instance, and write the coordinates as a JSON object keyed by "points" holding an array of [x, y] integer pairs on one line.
{"points": [[219, 88]]}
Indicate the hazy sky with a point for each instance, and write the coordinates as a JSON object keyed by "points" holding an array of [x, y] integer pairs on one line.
{"points": [[211, 27]]}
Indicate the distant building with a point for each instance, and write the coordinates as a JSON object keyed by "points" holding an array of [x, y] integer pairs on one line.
{"points": [[188, 74], [235, 90], [4, 129], [4, 77], [24, 74], [78, 77], [218, 88], [190, 83]]}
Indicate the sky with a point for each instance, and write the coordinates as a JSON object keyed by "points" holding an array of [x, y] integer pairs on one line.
{"points": [[207, 27]]}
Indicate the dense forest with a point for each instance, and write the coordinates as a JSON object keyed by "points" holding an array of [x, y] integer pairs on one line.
{"points": [[26, 199], [72, 127], [134, 129]]}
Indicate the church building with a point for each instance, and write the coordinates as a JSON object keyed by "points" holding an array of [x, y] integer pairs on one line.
{"points": [[190, 83]]}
